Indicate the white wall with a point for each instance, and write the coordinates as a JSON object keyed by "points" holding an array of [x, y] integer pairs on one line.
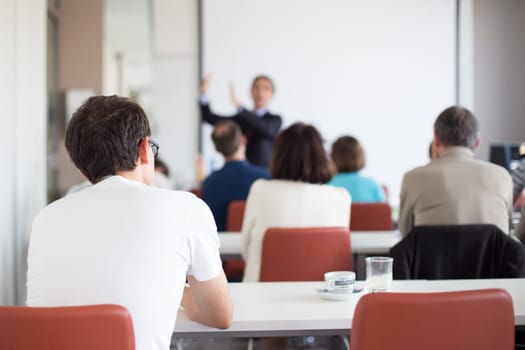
{"points": [[379, 70], [491, 77], [499, 71], [23, 141], [175, 86], [466, 54]]}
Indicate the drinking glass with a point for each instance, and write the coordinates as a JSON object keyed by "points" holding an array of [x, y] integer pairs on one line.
{"points": [[379, 274]]}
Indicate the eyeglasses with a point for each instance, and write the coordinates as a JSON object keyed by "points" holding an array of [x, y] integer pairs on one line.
{"points": [[154, 146]]}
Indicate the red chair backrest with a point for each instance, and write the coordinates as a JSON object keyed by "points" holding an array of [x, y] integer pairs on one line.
{"points": [[196, 191], [234, 268], [304, 254], [370, 217], [101, 327], [477, 320], [235, 215]]}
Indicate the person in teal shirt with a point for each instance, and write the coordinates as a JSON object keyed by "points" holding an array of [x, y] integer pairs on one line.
{"points": [[349, 158]]}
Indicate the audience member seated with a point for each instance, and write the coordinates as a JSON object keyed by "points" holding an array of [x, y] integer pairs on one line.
{"points": [[456, 188], [233, 180], [349, 158], [122, 241], [297, 195]]}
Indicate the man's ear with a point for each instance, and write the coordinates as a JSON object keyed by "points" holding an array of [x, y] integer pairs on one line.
{"points": [[476, 145], [435, 142], [144, 154], [436, 145]]}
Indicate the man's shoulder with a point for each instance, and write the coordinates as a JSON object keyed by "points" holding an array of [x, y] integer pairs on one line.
{"points": [[498, 171], [485, 167], [418, 171], [55, 206], [257, 170], [237, 168], [266, 116], [216, 175], [168, 194], [269, 116], [471, 167], [156, 196]]}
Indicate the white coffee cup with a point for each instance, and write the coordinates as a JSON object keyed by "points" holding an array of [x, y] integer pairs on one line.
{"points": [[339, 281]]}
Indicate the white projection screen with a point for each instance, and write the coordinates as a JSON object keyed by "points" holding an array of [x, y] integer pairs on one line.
{"points": [[379, 70]]}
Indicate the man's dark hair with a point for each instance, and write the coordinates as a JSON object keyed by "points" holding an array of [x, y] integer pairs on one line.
{"points": [[104, 134], [227, 137], [299, 155], [263, 77], [347, 154], [457, 126]]}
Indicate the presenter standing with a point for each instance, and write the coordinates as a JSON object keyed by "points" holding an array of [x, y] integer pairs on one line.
{"points": [[259, 125]]}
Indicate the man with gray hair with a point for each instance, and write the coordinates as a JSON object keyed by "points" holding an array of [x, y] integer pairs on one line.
{"points": [[456, 188]]}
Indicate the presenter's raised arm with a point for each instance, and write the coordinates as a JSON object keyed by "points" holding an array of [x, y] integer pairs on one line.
{"points": [[207, 115], [233, 96], [205, 84]]}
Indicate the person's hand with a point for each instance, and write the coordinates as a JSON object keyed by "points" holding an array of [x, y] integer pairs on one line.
{"points": [[233, 97], [205, 84]]}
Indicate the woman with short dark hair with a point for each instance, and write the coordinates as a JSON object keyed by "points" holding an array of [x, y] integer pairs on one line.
{"points": [[297, 195], [349, 158]]}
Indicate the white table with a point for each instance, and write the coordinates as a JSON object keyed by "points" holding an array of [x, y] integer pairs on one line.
{"points": [[295, 308], [363, 242]]}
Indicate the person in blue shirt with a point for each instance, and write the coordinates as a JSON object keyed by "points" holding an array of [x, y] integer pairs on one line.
{"points": [[234, 179], [349, 158]]}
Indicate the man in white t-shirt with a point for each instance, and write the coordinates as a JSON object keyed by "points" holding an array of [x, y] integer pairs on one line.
{"points": [[122, 241]]}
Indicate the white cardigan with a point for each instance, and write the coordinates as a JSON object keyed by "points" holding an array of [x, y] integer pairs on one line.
{"points": [[280, 203]]}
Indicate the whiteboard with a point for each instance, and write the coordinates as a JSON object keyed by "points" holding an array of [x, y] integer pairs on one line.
{"points": [[379, 70]]}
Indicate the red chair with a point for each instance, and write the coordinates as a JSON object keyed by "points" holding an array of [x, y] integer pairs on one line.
{"points": [[304, 254], [101, 327], [234, 268], [370, 217], [235, 215], [197, 192], [477, 320]]}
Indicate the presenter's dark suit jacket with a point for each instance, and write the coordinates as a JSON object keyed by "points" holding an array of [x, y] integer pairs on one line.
{"points": [[260, 132]]}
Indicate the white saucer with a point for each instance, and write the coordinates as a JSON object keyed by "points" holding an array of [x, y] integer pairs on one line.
{"points": [[333, 296]]}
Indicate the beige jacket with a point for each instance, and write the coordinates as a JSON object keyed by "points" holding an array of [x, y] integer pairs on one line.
{"points": [[278, 203], [456, 189]]}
